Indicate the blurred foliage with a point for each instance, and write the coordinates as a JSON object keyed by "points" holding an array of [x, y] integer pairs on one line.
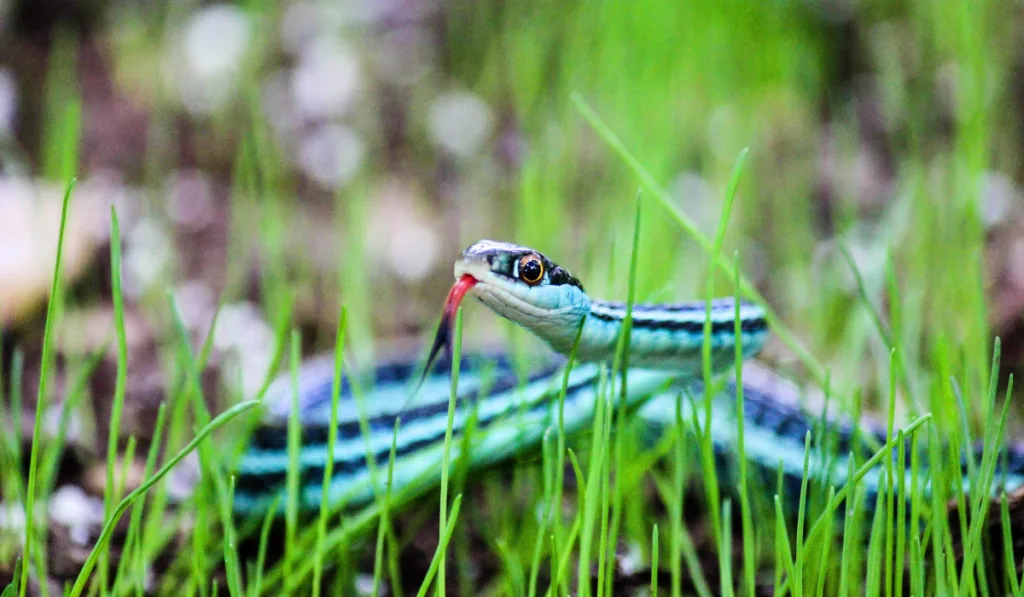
{"points": [[876, 126], [887, 130]]}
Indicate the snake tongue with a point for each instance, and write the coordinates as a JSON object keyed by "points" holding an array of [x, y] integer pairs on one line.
{"points": [[444, 330]]}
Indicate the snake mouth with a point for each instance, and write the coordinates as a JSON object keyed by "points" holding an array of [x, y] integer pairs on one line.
{"points": [[443, 336]]}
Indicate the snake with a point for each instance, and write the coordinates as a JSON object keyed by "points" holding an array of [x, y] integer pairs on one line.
{"points": [[504, 408]]}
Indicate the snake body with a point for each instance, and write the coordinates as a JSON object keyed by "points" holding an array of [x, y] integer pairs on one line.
{"points": [[509, 415]]}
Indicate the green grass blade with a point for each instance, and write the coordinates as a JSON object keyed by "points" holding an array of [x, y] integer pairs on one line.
{"points": [[829, 516], [332, 439], [44, 374], [746, 516], [128, 500], [725, 550], [110, 494], [590, 499], [886, 449], [706, 447], [654, 561], [48, 467], [798, 558], [875, 547], [261, 551], [232, 566], [901, 515], [442, 546], [897, 359], [385, 520], [692, 230], [1008, 560], [446, 455], [621, 437], [12, 588], [889, 478], [554, 506], [981, 492], [783, 550], [605, 480], [676, 512], [291, 508]]}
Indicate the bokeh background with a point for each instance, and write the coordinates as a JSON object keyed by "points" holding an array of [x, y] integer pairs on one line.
{"points": [[279, 159]]}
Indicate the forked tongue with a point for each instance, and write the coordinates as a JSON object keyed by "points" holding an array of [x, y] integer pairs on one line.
{"points": [[443, 338]]}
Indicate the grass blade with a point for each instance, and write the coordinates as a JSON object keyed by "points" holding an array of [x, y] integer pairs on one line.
{"points": [[332, 440], [706, 447], [110, 493], [445, 458], [654, 561], [442, 546], [788, 337], [291, 509], [385, 520], [128, 500], [622, 358], [51, 308]]}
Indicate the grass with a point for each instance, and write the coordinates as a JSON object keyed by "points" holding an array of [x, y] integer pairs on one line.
{"points": [[605, 109], [446, 459], [30, 491]]}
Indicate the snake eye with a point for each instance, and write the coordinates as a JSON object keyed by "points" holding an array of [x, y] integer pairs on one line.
{"points": [[531, 270]]}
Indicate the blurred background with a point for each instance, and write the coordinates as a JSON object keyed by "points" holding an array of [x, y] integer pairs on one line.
{"points": [[279, 159]]}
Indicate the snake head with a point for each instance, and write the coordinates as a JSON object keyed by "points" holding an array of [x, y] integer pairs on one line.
{"points": [[520, 284], [523, 285]]}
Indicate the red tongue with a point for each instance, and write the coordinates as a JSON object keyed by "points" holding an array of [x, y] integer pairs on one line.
{"points": [[444, 330], [459, 290]]}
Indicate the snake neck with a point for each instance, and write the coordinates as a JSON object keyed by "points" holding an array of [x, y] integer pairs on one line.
{"points": [[662, 336]]}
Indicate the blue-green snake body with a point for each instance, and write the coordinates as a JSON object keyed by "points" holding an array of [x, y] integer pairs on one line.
{"points": [[510, 414]]}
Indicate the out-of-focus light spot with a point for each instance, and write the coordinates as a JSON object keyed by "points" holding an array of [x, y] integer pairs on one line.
{"points": [[998, 197], [460, 122], [183, 478], [70, 506], [213, 46], [331, 155], [247, 342], [12, 518], [148, 254], [364, 584], [412, 250], [326, 79], [215, 40], [73, 426], [190, 199], [196, 303], [239, 324], [29, 225], [697, 198], [402, 236], [8, 102]]}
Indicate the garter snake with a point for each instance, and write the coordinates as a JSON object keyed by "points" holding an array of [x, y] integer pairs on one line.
{"points": [[509, 415]]}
